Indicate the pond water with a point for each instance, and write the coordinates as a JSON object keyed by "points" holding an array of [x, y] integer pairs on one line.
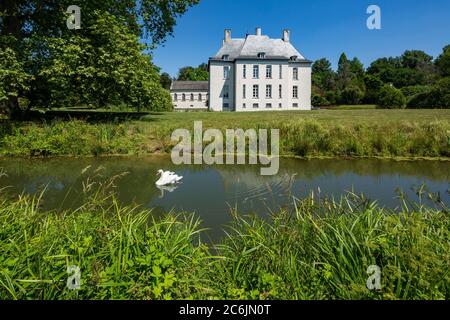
{"points": [[210, 191]]}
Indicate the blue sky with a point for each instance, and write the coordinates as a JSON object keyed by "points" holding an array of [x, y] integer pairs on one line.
{"points": [[319, 28]]}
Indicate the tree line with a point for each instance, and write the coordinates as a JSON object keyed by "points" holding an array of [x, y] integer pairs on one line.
{"points": [[43, 64], [412, 80]]}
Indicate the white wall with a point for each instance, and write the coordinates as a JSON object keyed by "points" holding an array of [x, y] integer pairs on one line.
{"points": [[287, 82], [196, 104], [217, 84]]}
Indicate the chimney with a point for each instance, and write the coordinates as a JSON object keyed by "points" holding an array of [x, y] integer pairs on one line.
{"points": [[286, 35], [258, 31], [227, 37]]}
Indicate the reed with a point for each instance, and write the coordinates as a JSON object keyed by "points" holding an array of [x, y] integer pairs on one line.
{"points": [[321, 250]]}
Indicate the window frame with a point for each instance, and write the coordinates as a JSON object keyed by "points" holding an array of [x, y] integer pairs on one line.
{"points": [[268, 71], [295, 73], [255, 94], [268, 91], [295, 92], [226, 72], [255, 71]]}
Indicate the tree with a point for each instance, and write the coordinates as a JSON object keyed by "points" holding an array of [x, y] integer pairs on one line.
{"points": [[322, 75], [152, 19], [104, 66], [443, 62], [13, 80], [415, 58], [199, 73], [344, 75], [391, 98], [165, 80], [35, 25], [437, 97]]}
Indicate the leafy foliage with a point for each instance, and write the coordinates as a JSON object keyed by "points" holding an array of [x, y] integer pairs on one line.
{"points": [[391, 98], [101, 64], [199, 73], [351, 84]]}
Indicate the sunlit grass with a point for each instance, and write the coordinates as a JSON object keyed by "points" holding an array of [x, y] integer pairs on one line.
{"points": [[331, 133]]}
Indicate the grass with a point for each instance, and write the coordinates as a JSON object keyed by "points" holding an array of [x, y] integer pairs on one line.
{"points": [[322, 250], [331, 133]]}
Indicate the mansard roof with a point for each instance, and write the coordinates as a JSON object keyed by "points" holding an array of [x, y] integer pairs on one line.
{"points": [[189, 86], [252, 45]]}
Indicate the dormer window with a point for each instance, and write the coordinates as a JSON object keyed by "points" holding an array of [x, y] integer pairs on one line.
{"points": [[294, 58], [226, 57], [261, 55]]}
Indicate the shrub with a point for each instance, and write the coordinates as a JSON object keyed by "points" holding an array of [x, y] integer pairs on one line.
{"points": [[438, 97], [318, 100], [391, 98], [351, 95]]}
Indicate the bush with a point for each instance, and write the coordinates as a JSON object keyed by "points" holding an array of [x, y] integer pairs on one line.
{"points": [[391, 98], [351, 95], [438, 97], [318, 100]]}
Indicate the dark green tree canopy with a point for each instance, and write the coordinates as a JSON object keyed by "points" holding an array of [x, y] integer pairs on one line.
{"points": [[199, 73], [153, 19]]}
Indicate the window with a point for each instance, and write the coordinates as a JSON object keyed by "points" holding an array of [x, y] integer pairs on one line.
{"points": [[183, 97], [280, 105], [281, 72], [192, 105], [268, 105], [295, 92], [255, 91], [225, 92], [226, 57], [255, 72], [295, 105], [261, 55], [269, 72], [244, 71], [192, 97], [255, 105], [280, 91], [243, 106], [175, 97], [295, 73], [269, 91], [244, 89], [226, 72], [199, 97]]}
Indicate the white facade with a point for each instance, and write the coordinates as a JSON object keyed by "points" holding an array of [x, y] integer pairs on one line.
{"points": [[259, 74], [189, 95]]}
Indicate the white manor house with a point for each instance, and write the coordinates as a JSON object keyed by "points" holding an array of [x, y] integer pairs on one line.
{"points": [[254, 73]]}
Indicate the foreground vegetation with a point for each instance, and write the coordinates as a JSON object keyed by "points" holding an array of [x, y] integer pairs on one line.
{"points": [[333, 133], [322, 250]]}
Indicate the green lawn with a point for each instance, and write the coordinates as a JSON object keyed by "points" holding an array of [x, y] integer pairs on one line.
{"points": [[326, 117]]}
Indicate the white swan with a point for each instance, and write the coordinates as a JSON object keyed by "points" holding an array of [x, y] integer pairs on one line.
{"points": [[167, 178]]}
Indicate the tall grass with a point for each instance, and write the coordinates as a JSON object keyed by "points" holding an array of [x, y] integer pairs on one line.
{"points": [[320, 251], [325, 249], [122, 252], [298, 137]]}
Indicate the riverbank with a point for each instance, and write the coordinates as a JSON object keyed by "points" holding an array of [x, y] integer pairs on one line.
{"points": [[325, 133], [320, 251]]}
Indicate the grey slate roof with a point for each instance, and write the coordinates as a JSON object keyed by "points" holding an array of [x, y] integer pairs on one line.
{"points": [[190, 85], [253, 44]]}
